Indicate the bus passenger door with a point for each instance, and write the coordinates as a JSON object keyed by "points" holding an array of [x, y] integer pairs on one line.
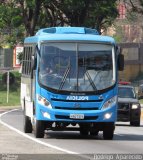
{"points": [[33, 77]]}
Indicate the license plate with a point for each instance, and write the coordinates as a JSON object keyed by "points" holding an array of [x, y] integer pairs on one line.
{"points": [[77, 116]]}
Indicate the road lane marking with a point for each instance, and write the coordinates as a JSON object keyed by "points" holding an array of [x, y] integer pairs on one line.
{"points": [[37, 140], [32, 138]]}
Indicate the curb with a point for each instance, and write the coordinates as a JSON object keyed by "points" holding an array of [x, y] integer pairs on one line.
{"points": [[6, 108]]}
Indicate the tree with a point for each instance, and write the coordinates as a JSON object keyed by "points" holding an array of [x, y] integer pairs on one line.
{"points": [[135, 5], [20, 12], [95, 14], [35, 14], [10, 24], [135, 12], [30, 10]]}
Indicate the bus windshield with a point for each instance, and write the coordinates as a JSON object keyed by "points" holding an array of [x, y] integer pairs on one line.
{"points": [[76, 67]]}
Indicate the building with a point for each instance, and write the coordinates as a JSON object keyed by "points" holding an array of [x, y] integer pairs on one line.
{"points": [[128, 31]]}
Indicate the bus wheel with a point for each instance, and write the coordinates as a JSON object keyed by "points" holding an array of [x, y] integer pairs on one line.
{"points": [[108, 131], [39, 129], [135, 123], [27, 124]]}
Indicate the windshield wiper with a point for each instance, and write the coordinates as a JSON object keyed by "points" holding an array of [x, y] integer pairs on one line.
{"points": [[91, 81], [64, 78]]}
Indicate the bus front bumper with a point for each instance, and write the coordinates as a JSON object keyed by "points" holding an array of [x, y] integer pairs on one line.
{"points": [[55, 115]]}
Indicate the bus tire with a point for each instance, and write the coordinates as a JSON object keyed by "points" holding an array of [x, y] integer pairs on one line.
{"points": [[27, 125], [39, 129], [108, 131], [135, 123]]}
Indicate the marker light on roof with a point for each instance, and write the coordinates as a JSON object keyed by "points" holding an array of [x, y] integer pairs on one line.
{"points": [[124, 83]]}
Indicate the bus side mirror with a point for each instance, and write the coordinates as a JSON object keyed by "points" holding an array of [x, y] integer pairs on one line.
{"points": [[120, 58], [33, 64], [34, 58], [120, 62]]}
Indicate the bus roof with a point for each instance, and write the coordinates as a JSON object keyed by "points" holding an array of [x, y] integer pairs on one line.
{"points": [[74, 33]]}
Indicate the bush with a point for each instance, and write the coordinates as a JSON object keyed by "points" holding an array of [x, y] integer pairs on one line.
{"points": [[11, 78]]}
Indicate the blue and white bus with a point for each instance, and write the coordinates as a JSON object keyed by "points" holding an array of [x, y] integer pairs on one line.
{"points": [[69, 81]]}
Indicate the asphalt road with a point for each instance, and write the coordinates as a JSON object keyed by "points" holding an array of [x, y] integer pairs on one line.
{"points": [[126, 140]]}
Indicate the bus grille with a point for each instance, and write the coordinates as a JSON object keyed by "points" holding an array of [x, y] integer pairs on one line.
{"points": [[67, 108]]}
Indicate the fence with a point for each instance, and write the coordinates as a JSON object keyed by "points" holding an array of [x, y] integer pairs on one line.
{"points": [[133, 54]]}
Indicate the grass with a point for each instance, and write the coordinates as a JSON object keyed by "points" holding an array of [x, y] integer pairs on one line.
{"points": [[14, 92]]}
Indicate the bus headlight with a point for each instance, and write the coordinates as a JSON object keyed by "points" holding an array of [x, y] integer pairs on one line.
{"points": [[107, 115], [134, 106], [110, 103], [43, 101]]}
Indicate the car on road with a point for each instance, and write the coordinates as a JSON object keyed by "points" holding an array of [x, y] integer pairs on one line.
{"points": [[129, 108], [140, 92]]}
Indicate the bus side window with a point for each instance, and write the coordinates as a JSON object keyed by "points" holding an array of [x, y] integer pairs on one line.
{"points": [[34, 60], [26, 61]]}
